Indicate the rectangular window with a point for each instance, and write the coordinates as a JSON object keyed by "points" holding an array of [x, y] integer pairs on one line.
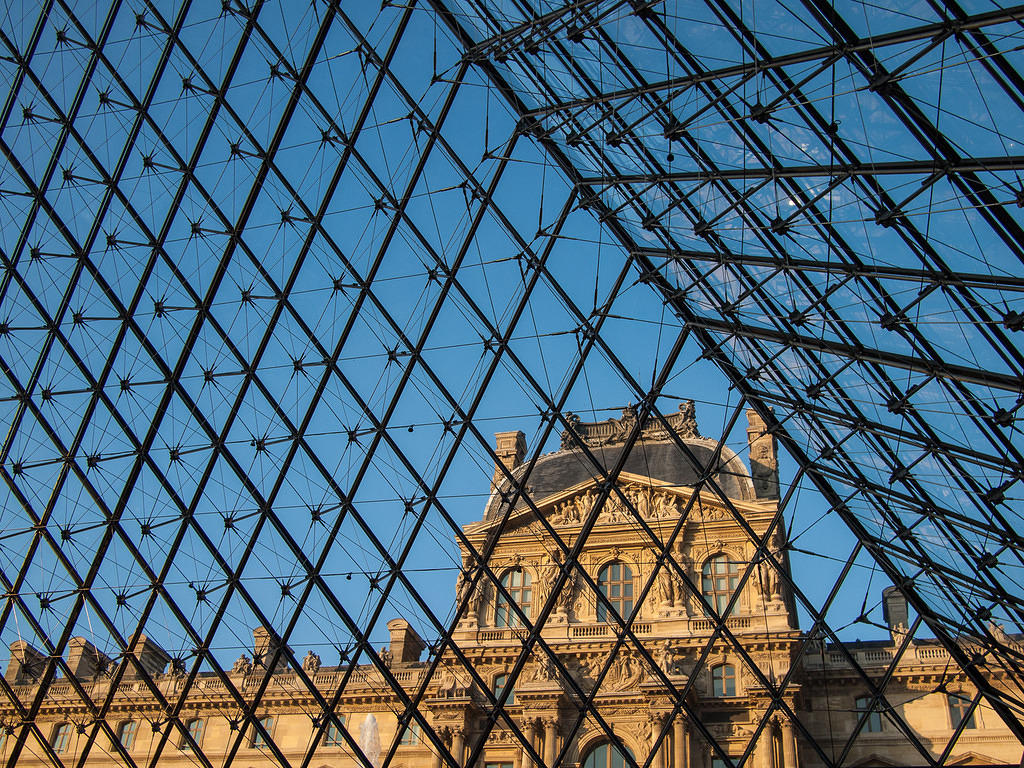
{"points": [[411, 735], [126, 733], [960, 710], [500, 681], [61, 738], [259, 740], [874, 721], [195, 730], [334, 737], [723, 680]]}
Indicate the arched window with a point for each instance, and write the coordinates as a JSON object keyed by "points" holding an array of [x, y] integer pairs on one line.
{"points": [[615, 581], [61, 738], [718, 581], [960, 710], [607, 756], [517, 583], [195, 730], [126, 733], [862, 704], [723, 680]]}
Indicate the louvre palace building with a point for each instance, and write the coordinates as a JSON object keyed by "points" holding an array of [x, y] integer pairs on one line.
{"points": [[638, 630]]}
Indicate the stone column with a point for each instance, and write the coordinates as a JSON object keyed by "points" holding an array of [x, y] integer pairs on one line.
{"points": [[530, 732], [550, 735], [445, 734], [658, 759], [789, 753], [764, 748], [680, 749]]}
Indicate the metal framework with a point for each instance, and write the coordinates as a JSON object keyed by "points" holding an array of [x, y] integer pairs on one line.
{"points": [[274, 274]]}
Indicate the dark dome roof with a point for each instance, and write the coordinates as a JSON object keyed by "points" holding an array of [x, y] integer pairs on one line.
{"points": [[662, 461]]}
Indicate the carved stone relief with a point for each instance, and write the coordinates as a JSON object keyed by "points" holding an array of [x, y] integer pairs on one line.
{"points": [[651, 504], [625, 672]]}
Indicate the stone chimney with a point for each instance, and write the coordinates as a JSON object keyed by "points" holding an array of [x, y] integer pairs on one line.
{"points": [[85, 660], [264, 646], [406, 645], [26, 663], [510, 448], [764, 462], [894, 608], [150, 656]]}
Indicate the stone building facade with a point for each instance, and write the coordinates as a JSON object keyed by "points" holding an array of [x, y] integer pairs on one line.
{"points": [[679, 689]]}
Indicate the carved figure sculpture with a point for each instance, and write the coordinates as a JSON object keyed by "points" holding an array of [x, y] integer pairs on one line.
{"points": [[242, 665], [311, 663]]}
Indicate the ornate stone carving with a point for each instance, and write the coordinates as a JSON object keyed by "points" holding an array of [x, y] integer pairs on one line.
{"points": [[650, 503], [998, 632], [311, 663], [500, 736], [464, 591], [542, 672], [769, 577], [447, 683], [625, 672], [242, 665], [611, 431], [703, 513], [668, 660]]}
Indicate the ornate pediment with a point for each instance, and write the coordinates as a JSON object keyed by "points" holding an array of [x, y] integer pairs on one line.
{"points": [[611, 431], [650, 503]]}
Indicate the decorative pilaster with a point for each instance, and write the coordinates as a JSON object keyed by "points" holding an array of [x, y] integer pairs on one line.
{"points": [[550, 740], [654, 724], [680, 745], [459, 746], [445, 734], [532, 734], [789, 752]]}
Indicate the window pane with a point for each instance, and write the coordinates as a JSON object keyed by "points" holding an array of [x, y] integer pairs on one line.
{"points": [[959, 706], [518, 585], [195, 730], [126, 733], [723, 680], [607, 756], [500, 681], [61, 737], [719, 579], [258, 739], [334, 737], [615, 581], [598, 758]]}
